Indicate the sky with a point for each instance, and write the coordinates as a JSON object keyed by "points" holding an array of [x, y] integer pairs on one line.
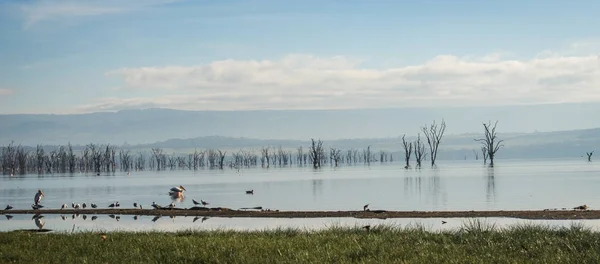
{"points": [[79, 56]]}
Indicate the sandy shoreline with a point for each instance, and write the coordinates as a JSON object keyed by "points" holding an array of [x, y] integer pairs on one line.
{"points": [[225, 212]]}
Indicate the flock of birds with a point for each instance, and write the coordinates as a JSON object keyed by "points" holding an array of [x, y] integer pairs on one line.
{"points": [[176, 192]]}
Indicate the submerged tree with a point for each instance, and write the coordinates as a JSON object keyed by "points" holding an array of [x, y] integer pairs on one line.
{"points": [[589, 155], [408, 149], [434, 135], [419, 150], [485, 155], [490, 142], [315, 153]]}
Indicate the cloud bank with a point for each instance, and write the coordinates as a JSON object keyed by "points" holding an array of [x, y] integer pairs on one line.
{"points": [[309, 82], [5, 92]]}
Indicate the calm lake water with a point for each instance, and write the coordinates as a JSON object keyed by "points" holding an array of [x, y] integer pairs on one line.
{"points": [[454, 185]]}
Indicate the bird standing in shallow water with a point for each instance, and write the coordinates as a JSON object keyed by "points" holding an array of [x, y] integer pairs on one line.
{"points": [[38, 197]]}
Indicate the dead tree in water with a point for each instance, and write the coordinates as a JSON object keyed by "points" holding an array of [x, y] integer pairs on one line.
{"points": [[157, 155], [490, 142], [434, 136], [485, 155], [408, 149], [476, 155], [316, 153], [335, 156], [419, 150], [589, 155]]}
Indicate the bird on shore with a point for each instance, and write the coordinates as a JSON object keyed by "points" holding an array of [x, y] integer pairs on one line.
{"points": [[77, 206], [135, 205], [112, 205], [37, 206], [73, 205], [94, 205], [250, 192], [64, 206], [38, 197], [8, 207], [155, 205], [84, 205], [365, 207], [195, 202], [205, 203]]}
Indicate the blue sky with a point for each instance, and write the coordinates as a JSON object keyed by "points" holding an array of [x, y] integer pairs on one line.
{"points": [[72, 56]]}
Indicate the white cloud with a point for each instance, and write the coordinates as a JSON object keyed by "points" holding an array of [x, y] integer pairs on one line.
{"points": [[6, 92], [43, 10], [309, 82]]}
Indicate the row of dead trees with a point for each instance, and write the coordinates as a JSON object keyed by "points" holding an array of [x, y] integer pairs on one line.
{"points": [[17, 159]]}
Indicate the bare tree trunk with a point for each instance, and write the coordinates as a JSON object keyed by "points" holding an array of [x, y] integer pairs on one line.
{"points": [[476, 155], [589, 155], [408, 149], [490, 142], [419, 150], [485, 155], [434, 136]]}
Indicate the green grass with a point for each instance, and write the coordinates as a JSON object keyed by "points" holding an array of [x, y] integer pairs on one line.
{"points": [[475, 242]]}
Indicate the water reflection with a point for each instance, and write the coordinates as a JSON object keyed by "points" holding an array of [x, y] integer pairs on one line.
{"points": [[451, 186], [148, 223], [491, 185]]}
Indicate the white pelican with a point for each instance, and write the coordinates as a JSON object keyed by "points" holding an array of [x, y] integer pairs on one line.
{"points": [[38, 197], [64, 206], [77, 206], [177, 192], [73, 205]]}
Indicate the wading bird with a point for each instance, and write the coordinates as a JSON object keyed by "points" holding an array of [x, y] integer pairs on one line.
{"points": [[38, 197], [8, 207]]}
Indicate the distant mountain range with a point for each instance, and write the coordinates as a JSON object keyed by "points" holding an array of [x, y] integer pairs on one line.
{"points": [[151, 125]]}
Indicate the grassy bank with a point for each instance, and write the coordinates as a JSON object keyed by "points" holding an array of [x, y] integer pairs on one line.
{"points": [[473, 243]]}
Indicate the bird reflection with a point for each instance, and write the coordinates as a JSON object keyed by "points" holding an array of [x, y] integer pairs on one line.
{"points": [[491, 184], [155, 218], [112, 216], [39, 222], [118, 217], [84, 217], [8, 217], [198, 217], [135, 217], [63, 217], [94, 217]]}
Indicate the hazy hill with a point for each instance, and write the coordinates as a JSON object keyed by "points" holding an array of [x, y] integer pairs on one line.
{"points": [[151, 125]]}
